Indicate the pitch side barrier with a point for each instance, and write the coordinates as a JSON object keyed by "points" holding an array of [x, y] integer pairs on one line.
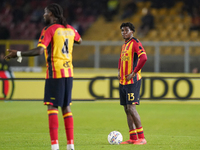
{"points": [[104, 88]]}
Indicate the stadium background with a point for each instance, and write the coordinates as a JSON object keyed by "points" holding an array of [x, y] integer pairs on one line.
{"points": [[172, 47], [170, 91]]}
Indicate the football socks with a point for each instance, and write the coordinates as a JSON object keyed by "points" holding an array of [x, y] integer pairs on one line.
{"points": [[53, 125], [133, 134], [69, 127], [140, 133]]}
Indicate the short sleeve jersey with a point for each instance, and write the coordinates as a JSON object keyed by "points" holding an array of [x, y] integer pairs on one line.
{"points": [[130, 52], [58, 42]]}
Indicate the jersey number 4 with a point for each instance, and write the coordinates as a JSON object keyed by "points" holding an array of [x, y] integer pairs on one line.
{"points": [[65, 48]]}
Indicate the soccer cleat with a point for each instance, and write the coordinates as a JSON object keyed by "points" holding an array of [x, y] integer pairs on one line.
{"points": [[55, 147], [140, 142], [129, 142], [70, 147]]}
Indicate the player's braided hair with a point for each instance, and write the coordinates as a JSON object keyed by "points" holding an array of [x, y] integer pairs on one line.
{"points": [[57, 11], [128, 24]]}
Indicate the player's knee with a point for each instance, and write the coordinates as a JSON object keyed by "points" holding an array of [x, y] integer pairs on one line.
{"points": [[129, 108]]}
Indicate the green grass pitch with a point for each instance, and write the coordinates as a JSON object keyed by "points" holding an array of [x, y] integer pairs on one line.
{"points": [[169, 125]]}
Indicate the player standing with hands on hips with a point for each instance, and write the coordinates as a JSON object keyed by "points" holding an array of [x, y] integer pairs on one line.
{"points": [[56, 41], [132, 59]]}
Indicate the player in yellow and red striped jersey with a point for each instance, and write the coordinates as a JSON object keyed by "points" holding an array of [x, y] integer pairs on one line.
{"points": [[56, 41], [131, 61]]}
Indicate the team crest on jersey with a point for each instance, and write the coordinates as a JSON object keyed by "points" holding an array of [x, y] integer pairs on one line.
{"points": [[125, 58], [66, 64]]}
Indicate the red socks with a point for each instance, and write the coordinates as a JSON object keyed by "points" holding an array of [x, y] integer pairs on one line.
{"points": [[69, 127], [53, 125], [133, 134], [136, 134], [140, 133]]}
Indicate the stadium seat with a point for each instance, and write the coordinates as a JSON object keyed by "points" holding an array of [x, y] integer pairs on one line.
{"points": [[178, 50], [194, 36], [164, 35], [162, 12], [168, 19], [179, 27], [177, 19], [170, 27], [195, 51], [172, 12], [117, 50], [150, 50], [106, 50], [174, 35], [166, 50], [187, 20], [184, 35], [178, 5]]}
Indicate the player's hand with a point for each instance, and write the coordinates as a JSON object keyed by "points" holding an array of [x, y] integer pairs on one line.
{"points": [[129, 76], [118, 76], [12, 54]]}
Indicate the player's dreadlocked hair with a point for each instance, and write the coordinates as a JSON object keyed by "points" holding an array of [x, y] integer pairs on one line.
{"points": [[128, 24], [57, 11]]}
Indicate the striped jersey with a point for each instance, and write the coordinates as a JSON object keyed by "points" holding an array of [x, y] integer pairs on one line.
{"points": [[58, 43], [130, 52]]}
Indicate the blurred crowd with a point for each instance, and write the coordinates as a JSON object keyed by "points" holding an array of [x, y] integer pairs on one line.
{"points": [[23, 19]]}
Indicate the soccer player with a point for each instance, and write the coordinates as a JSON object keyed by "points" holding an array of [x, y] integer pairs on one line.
{"points": [[56, 41], [131, 61]]}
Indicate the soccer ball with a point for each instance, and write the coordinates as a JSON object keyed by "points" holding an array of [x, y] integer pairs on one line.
{"points": [[115, 138]]}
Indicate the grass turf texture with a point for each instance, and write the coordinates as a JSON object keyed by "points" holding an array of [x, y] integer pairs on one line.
{"points": [[167, 125]]}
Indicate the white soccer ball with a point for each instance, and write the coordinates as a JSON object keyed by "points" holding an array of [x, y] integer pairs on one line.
{"points": [[115, 138]]}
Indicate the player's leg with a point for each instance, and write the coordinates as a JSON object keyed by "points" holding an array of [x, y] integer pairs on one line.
{"points": [[53, 126], [53, 98], [131, 125], [67, 114], [123, 101], [137, 122], [69, 127]]}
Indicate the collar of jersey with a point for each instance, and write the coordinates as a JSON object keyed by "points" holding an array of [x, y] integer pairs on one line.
{"points": [[128, 40]]}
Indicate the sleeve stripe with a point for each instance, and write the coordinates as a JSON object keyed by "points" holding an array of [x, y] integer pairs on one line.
{"points": [[141, 54], [42, 45]]}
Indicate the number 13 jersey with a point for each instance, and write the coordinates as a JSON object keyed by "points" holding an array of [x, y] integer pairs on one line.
{"points": [[58, 43]]}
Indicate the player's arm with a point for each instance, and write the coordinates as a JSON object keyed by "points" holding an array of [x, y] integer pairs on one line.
{"points": [[141, 61], [33, 52], [119, 68], [78, 42]]}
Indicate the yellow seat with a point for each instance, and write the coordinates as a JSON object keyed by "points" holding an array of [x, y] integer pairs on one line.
{"points": [[164, 36], [162, 12], [184, 36], [166, 50], [154, 11], [151, 36], [167, 19], [172, 12], [170, 27], [178, 5], [179, 27], [178, 50], [117, 50], [195, 51], [152, 33], [177, 19], [106, 50], [187, 20], [194, 36], [174, 35], [149, 50]]}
